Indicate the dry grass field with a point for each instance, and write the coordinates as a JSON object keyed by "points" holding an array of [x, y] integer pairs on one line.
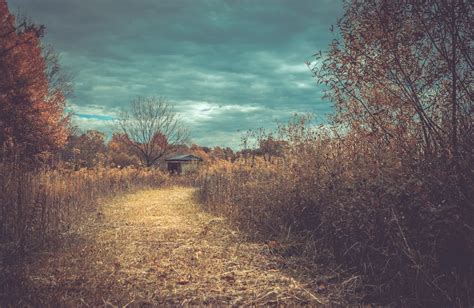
{"points": [[158, 247], [199, 163]]}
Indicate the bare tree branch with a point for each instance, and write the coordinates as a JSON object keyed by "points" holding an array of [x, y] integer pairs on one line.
{"points": [[152, 128]]}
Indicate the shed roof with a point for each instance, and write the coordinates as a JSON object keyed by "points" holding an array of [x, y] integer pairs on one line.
{"points": [[184, 157]]}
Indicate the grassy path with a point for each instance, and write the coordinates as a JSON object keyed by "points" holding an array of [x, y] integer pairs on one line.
{"points": [[158, 247]]}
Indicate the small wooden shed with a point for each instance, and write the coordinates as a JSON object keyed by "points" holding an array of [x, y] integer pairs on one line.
{"points": [[182, 164]]}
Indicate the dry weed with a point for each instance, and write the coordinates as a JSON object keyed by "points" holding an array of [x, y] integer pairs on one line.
{"points": [[158, 247]]}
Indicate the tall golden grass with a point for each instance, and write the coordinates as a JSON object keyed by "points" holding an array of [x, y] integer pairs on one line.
{"points": [[402, 221], [37, 205]]}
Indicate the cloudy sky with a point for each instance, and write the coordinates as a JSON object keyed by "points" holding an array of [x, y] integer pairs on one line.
{"points": [[224, 65]]}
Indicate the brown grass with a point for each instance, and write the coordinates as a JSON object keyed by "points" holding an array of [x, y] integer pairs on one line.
{"points": [[158, 247], [36, 206], [401, 222]]}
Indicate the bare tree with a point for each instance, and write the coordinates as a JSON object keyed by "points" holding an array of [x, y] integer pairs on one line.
{"points": [[151, 128]]}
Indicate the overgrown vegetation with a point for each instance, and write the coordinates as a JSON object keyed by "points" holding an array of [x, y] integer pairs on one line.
{"points": [[402, 223], [44, 182], [387, 191], [38, 205], [158, 248]]}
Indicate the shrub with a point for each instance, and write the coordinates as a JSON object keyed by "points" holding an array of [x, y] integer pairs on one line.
{"points": [[400, 219]]}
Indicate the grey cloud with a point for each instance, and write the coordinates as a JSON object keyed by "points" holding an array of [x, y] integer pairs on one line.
{"points": [[227, 53]]}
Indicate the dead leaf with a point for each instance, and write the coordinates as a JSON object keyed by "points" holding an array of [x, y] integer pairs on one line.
{"points": [[183, 282]]}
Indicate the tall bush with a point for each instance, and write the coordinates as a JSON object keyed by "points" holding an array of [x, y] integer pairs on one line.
{"points": [[390, 216]]}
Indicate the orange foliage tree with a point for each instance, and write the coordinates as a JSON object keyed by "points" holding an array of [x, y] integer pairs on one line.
{"points": [[32, 120], [218, 153], [120, 153], [400, 75], [200, 152], [85, 150], [404, 72]]}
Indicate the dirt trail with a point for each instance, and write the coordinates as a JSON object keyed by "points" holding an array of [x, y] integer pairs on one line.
{"points": [[158, 247]]}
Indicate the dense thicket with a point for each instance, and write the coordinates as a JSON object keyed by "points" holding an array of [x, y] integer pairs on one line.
{"points": [[387, 192]]}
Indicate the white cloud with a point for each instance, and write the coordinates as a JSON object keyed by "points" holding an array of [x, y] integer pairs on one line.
{"points": [[219, 75], [303, 85], [97, 111], [293, 68], [197, 111], [84, 124]]}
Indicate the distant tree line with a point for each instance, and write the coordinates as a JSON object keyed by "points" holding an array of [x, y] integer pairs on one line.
{"points": [[91, 149]]}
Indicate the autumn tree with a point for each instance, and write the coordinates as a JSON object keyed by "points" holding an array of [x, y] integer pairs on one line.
{"points": [[85, 150], [400, 74], [120, 153], [59, 80], [152, 128], [200, 151], [404, 72], [222, 153], [32, 117]]}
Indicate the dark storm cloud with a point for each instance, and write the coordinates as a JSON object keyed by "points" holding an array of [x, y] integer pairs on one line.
{"points": [[225, 65]]}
